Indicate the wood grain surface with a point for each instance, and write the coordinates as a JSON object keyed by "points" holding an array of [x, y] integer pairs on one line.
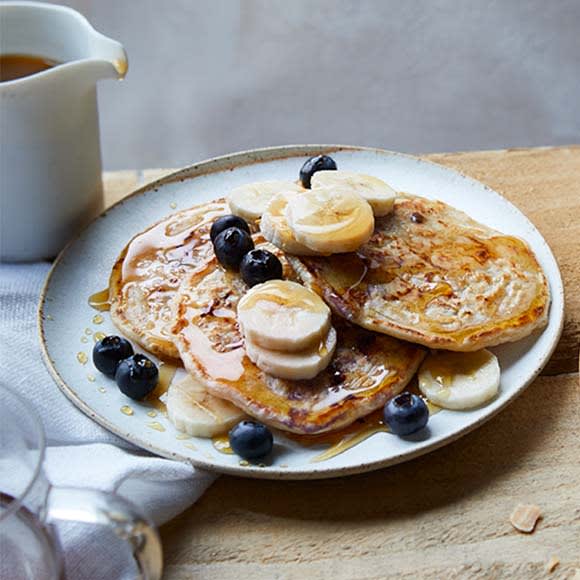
{"points": [[444, 515]]}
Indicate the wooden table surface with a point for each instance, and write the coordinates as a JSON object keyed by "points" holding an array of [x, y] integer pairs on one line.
{"points": [[444, 515]]}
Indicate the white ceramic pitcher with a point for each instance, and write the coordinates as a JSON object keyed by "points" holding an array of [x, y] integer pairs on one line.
{"points": [[50, 159]]}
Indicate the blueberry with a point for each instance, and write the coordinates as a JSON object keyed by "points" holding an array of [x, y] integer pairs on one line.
{"points": [[225, 222], [314, 164], [231, 246], [109, 352], [136, 376], [405, 414], [260, 266], [251, 440]]}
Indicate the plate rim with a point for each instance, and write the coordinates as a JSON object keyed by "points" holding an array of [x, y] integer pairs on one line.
{"points": [[265, 154]]}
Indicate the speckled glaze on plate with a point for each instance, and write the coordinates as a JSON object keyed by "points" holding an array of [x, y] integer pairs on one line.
{"points": [[67, 323]]}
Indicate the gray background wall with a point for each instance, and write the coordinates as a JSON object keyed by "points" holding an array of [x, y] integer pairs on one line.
{"points": [[212, 76]]}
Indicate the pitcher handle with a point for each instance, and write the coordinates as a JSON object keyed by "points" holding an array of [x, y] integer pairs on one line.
{"points": [[120, 515]]}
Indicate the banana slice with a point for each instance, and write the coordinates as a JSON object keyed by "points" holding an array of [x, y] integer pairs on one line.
{"points": [[275, 228], [193, 410], [460, 380], [379, 194], [330, 220], [296, 366], [251, 200], [283, 315]]}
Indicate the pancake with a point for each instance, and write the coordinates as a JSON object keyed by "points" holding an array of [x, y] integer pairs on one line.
{"points": [[433, 276], [367, 368], [150, 269]]}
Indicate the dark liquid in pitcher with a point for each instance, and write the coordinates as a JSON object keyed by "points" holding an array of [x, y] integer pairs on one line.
{"points": [[16, 66]]}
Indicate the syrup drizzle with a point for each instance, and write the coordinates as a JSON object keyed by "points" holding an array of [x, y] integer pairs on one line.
{"points": [[100, 300], [166, 373], [220, 365], [171, 239], [340, 441]]}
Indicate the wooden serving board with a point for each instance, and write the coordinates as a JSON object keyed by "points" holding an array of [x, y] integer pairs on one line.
{"points": [[444, 515]]}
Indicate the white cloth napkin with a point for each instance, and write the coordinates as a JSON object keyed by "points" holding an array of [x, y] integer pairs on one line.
{"points": [[80, 452]]}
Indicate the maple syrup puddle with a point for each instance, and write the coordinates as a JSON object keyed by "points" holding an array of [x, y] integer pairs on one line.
{"points": [[100, 300]]}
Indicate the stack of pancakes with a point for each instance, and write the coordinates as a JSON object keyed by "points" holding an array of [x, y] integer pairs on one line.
{"points": [[430, 276]]}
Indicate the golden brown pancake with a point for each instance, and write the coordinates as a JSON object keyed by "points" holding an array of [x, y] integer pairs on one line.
{"points": [[151, 268], [433, 276], [367, 368]]}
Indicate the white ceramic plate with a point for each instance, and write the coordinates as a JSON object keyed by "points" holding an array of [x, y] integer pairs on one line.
{"points": [[83, 268]]}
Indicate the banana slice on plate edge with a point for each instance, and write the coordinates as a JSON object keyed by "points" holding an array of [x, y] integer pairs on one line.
{"points": [[193, 410], [460, 380]]}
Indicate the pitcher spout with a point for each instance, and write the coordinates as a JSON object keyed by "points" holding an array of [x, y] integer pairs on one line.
{"points": [[108, 55], [103, 57]]}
